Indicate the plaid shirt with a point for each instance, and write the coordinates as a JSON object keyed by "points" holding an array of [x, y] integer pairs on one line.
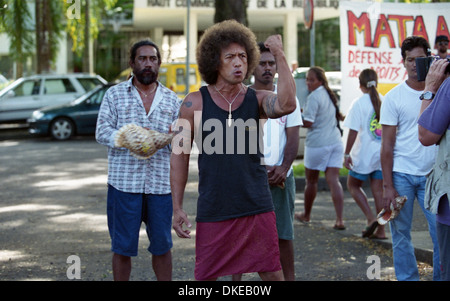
{"points": [[122, 105]]}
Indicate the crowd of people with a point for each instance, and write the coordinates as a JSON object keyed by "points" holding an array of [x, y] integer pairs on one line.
{"points": [[248, 192]]}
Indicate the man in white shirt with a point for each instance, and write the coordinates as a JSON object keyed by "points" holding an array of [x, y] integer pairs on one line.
{"points": [[405, 162]]}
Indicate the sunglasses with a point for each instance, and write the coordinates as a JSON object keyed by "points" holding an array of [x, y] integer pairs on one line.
{"points": [[443, 43]]}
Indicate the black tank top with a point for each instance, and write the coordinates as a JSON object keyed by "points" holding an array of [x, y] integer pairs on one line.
{"points": [[232, 180]]}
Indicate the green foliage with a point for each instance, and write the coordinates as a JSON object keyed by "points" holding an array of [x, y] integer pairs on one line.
{"points": [[16, 23], [299, 171], [76, 27], [48, 29], [109, 43], [57, 28], [328, 44], [107, 63]]}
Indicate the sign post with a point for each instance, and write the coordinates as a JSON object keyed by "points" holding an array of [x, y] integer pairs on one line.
{"points": [[308, 14]]}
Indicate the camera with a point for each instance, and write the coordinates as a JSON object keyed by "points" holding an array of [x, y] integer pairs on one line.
{"points": [[423, 65]]}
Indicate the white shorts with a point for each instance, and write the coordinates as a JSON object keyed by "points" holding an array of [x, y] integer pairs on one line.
{"points": [[319, 158]]}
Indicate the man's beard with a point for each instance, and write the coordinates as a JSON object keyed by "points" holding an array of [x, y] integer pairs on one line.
{"points": [[146, 76]]}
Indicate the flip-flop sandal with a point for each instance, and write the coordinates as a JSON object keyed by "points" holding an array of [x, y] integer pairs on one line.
{"points": [[373, 236], [370, 229], [336, 227]]}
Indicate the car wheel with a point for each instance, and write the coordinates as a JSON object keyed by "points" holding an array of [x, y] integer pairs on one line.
{"points": [[62, 129]]}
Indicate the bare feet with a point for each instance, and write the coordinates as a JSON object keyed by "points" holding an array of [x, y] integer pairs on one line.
{"points": [[301, 218]]}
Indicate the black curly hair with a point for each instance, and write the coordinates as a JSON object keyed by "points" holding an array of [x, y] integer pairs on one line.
{"points": [[412, 42], [137, 45], [219, 36]]}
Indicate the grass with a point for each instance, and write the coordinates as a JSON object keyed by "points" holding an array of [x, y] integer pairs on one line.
{"points": [[299, 171]]}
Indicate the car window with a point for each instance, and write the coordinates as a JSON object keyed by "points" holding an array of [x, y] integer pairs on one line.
{"points": [[97, 97], [58, 86], [181, 78], [27, 88], [89, 83]]}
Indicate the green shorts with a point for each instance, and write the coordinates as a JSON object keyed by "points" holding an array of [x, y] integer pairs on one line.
{"points": [[284, 203]]}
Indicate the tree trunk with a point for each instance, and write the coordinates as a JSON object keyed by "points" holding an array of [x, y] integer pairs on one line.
{"points": [[87, 35], [43, 32], [231, 9]]}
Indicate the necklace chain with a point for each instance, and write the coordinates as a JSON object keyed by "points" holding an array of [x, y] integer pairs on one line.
{"points": [[230, 117], [145, 94]]}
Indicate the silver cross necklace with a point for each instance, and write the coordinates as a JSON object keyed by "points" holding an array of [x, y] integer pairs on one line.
{"points": [[230, 118]]}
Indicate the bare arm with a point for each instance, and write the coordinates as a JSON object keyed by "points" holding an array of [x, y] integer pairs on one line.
{"points": [[307, 124], [388, 138], [280, 104], [427, 137], [435, 77], [179, 167], [277, 174], [179, 164], [348, 162]]}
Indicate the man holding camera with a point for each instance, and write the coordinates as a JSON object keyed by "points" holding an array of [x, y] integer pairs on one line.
{"points": [[405, 162], [434, 128]]}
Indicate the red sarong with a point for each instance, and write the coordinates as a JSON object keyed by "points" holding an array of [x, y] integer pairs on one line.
{"points": [[241, 245]]}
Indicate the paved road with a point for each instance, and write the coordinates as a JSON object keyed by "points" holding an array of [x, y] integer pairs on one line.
{"points": [[52, 206]]}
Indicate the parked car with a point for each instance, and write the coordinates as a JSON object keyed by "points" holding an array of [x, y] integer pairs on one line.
{"points": [[173, 76], [22, 97], [62, 122], [3, 81]]}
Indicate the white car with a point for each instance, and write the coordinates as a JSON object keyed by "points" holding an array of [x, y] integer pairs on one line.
{"points": [[27, 94]]}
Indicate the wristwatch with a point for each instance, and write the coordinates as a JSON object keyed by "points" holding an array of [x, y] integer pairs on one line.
{"points": [[427, 95]]}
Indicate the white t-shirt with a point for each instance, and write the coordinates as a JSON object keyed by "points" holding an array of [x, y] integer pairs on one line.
{"points": [[275, 136], [365, 152], [321, 112], [401, 108]]}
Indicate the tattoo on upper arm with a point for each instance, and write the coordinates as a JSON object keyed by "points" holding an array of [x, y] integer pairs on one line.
{"points": [[269, 105], [187, 104]]}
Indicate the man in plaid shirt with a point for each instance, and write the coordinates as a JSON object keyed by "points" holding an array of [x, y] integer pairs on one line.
{"points": [[139, 190]]}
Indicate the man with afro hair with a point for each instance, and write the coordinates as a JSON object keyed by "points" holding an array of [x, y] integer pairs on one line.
{"points": [[236, 229]]}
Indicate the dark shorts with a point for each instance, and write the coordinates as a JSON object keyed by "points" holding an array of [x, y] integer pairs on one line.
{"points": [[236, 246], [127, 211]]}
